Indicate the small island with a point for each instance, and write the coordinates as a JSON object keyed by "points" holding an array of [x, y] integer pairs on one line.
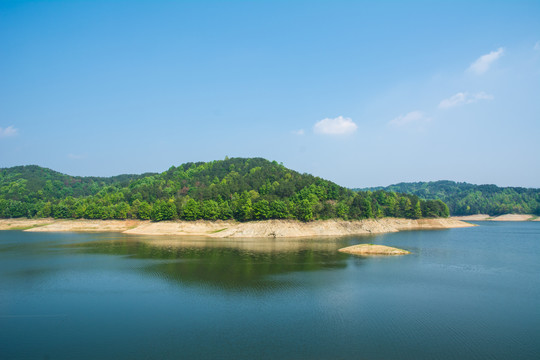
{"points": [[370, 250]]}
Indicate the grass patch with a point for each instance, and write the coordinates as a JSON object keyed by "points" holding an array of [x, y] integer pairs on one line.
{"points": [[27, 227], [216, 231], [21, 227]]}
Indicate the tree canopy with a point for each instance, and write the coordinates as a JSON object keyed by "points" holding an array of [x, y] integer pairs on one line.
{"points": [[468, 199], [238, 188]]}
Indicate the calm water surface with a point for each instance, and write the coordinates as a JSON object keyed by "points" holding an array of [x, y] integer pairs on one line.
{"points": [[469, 293]]}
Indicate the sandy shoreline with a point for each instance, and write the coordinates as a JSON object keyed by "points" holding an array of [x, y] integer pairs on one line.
{"points": [[233, 229], [506, 217]]}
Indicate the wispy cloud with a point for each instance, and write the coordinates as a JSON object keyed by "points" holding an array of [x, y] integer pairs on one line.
{"points": [[463, 98], [7, 132], [298, 132], [537, 46], [482, 64], [413, 117], [336, 126]]}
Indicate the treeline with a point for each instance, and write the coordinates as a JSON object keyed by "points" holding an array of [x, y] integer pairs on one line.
{"points": [[469, 199], [237, 188]]}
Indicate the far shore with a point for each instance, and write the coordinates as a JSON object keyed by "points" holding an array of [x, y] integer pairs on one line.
{"points": [[506, 217], [234, 229]]}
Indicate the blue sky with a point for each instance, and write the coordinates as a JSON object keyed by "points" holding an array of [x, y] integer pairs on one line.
{"points": [[360, 93]]}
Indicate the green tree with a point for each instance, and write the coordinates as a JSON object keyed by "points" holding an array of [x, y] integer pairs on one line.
{"points": [[261, 210], [225, 211], [417, 212], [191, 210], [342, 210], [163, 210], [144, 211], [279, 210], [46, 210], [304, 211], [210, 210], [121, 210]]}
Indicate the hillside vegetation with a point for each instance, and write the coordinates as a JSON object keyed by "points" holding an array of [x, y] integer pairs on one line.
{"points": [[237, 188], [469, 199]]}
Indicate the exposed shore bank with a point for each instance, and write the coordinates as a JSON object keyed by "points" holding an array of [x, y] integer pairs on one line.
{"points": [[234, 229], [506, 217]]}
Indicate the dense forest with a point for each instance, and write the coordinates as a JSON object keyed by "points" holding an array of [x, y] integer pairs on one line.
{"points": [[469, 199], [236, 188]]}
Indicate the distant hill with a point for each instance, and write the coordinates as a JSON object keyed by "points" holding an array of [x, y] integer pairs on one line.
{"points": [[469, 199], [237, 188], [55, 184]]}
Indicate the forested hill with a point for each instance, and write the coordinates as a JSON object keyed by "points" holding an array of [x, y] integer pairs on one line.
{"points": [[237, 188], [468, 199], [57, 185]]}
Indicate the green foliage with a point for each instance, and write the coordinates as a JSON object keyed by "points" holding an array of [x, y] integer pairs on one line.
{"points": [[225, 211], [261, 210], [469, 199], [342, 210], [279, 210], [141, 210], [360, 208], [235, 188], [210, 210], [304, 212], [191, 210], [417, 211], [163, 210]]}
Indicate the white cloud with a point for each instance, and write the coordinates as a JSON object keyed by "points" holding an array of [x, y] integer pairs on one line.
{"points": [[482, 64], [414, 117], [335, 126], [9, 131], [462, 98], [298, 132], [537, 46]]}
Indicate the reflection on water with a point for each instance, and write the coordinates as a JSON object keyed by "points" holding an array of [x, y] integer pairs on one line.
{"points": [[224, 263]]}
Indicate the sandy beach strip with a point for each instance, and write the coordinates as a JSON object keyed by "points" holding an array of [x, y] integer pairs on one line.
{"points": [[69, 225], [513, 217], [478, 217], [506, 217], [233, 229]]}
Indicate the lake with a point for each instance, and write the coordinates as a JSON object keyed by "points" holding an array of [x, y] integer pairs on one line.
{"points": [[470, 293]]}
